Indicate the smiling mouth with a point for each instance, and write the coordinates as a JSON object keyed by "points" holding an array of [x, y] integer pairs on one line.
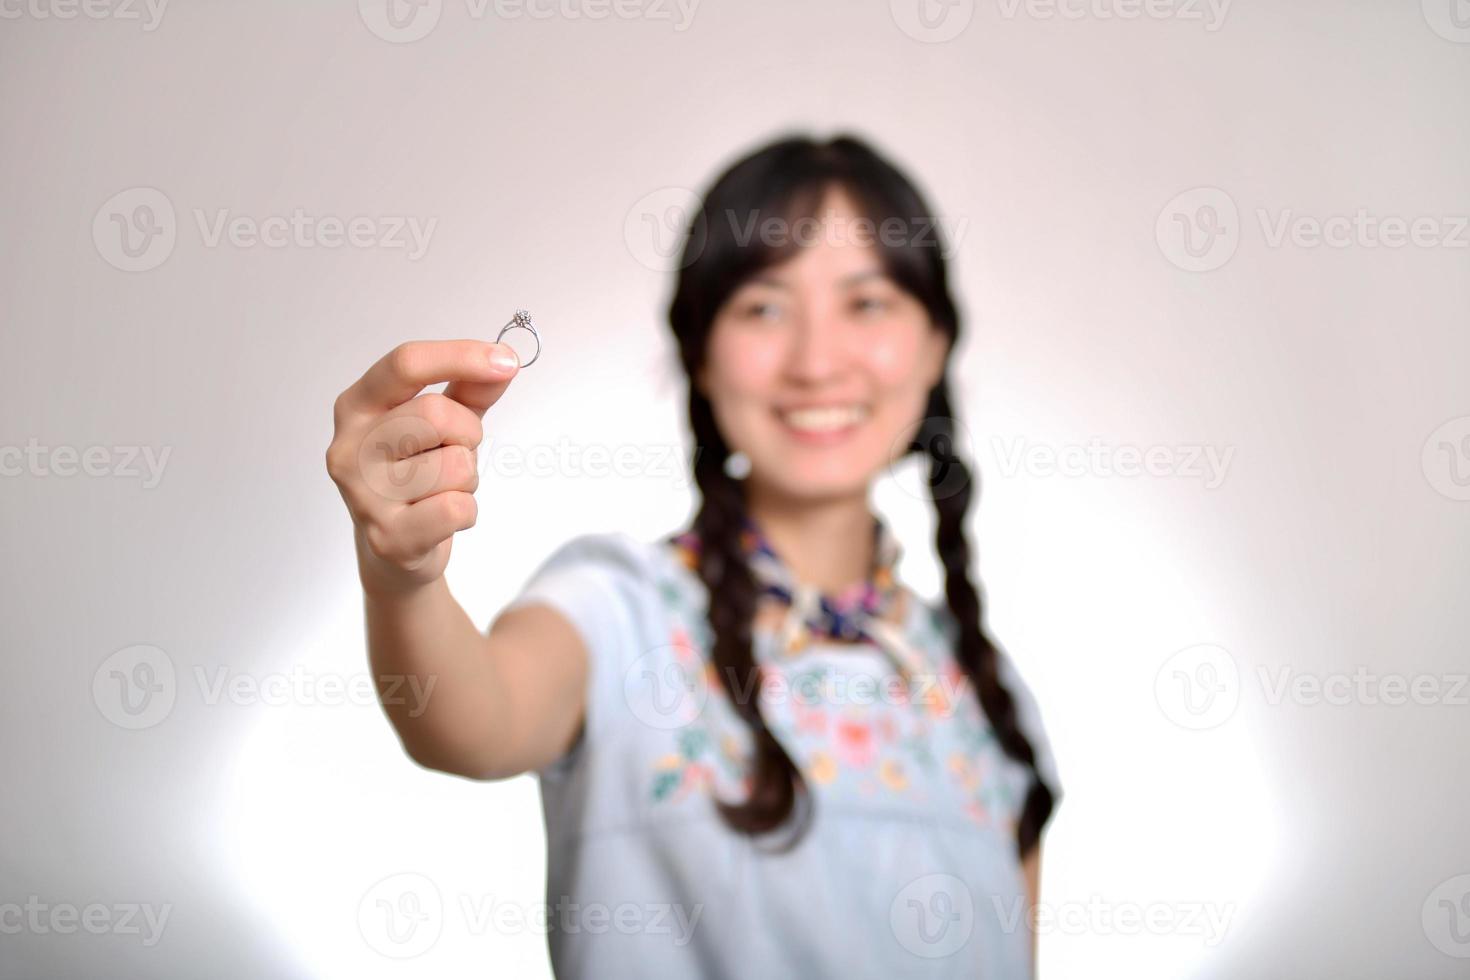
{"points": [[825, 423]]}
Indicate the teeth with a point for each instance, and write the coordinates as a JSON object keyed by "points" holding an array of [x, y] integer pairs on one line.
{"points": [[824, 419]]}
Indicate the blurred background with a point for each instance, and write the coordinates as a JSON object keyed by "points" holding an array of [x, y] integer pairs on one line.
{"points": [[1213, 261]]}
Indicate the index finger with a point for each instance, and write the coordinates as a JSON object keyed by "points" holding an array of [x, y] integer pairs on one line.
{"points": [[411, 367]]}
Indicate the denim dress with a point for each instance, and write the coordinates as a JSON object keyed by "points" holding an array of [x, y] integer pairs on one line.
{"points": [[909, 865]]}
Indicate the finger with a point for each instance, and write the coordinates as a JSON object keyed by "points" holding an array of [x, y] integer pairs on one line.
{"points": [[479, 396], [423, 423], [410, 367], [437, 471], [419, 528]]}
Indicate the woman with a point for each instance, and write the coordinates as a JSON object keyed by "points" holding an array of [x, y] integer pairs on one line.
{"points": [[816, 774]]}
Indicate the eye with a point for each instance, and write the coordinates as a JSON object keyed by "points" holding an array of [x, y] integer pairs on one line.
{"points": [[869, 305], [758, 310]]}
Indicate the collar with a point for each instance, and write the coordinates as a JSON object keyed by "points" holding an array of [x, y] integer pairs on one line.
{"points": [[871, 610]]}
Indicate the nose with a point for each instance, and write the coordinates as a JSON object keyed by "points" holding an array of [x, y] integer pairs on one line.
{"points": [[817, 351]]}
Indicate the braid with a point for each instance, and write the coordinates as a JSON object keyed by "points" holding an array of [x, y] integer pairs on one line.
{"points": [[950, 489], [776, 782]]}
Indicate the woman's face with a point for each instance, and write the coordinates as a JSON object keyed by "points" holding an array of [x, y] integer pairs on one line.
{"points": [[818, 368]]}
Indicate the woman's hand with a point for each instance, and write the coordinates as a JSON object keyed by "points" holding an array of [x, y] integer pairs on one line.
{"points": [[406, 463]]}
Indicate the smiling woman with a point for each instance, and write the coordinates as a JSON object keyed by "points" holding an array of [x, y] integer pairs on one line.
{"points": [[903, 791]]}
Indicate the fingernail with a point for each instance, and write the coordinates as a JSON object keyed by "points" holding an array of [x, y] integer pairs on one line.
{"points": [[504, 357]]}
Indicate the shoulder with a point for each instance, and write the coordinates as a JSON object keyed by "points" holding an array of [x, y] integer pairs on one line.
{"points": [[607, 548], [616, 557], [608, 569]]}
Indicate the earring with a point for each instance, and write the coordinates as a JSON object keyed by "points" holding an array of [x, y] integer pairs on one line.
{"points": [[737, 465]]}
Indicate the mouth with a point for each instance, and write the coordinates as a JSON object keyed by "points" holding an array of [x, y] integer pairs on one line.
{"points": [[823, 425]]}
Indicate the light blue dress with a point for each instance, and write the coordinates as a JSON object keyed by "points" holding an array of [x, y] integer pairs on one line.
{"points": [[909, 868]]}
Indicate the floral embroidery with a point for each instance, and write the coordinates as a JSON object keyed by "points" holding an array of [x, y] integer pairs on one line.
{"points": [[692, 767], [892, 774], [888, 749], [854, 744], [822, 768]]}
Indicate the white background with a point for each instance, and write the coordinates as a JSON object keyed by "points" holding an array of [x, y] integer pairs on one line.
{"points": [[1057, 140]]}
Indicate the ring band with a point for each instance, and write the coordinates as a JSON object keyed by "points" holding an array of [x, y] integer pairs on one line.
{"points": [[522, 320]]}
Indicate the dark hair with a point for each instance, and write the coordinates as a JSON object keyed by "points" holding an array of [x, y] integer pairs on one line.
{"points": [[788, 180]]}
